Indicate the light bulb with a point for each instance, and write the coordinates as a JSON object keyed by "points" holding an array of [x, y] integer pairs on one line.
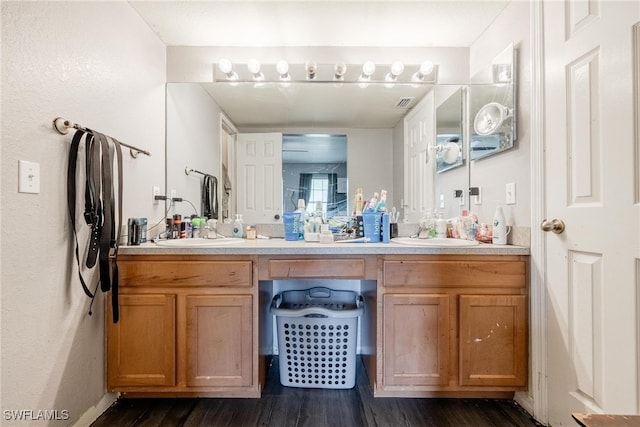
{"points": [[339, 70], [254, 68], [424, 70], [311, 68], [282, 67], [225, 66], [397, 68], [368, 68]]}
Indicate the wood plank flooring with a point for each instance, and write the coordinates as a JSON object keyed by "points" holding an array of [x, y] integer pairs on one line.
{"points": [[286, 406]]}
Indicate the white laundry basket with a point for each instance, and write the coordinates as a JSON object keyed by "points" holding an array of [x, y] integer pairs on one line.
{"points": [[317, 336]]}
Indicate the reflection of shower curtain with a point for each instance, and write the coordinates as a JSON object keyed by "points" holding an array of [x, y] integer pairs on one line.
{"points": [[226, 193], [332, 189], [305, 187]]}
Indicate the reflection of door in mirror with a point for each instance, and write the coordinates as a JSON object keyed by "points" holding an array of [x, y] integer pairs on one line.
{"points": [[226, 190], [314, 169], [449, 135], [259, 177]]}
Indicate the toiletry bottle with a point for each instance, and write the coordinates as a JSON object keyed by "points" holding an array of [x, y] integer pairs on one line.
{"points": [[304, 217], [238, 228], [177, 226], [386, 228], [499, 226], [382, 203], [371, 206], [318, 214], [195, 227], [441, 226], [359, 202]]}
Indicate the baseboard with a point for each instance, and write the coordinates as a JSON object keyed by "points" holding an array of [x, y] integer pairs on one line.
{"points": [[525, 400], [92, 414]]}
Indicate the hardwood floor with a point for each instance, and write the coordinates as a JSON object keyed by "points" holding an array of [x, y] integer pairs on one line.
{"points": [[285, 406]]}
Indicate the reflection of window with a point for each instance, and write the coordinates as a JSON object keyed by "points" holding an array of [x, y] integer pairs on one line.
{"points": [[318, 192]]}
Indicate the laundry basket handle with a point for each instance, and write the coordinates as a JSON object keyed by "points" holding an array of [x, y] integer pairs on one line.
{"points": [[319, 292]]}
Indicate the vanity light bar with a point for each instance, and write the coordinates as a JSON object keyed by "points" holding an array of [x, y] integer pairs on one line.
{"points": [[310, 71]]}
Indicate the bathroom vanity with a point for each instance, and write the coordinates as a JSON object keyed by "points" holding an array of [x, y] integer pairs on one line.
{"points": [[441, 321]]}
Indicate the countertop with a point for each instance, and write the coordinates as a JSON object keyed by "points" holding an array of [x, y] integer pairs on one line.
{"points": [[276, 246]]}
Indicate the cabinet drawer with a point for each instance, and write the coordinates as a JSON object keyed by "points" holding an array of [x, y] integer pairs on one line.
{"points": [[317, 268], [188, 273], [453, 273]]}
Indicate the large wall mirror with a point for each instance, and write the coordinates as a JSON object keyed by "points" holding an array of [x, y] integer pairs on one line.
{"points": [[366, 118]]}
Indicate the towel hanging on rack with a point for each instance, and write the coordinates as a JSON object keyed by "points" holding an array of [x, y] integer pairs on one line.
{"points": [[210, 197]]}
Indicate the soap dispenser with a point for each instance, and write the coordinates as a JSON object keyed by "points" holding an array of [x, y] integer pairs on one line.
{"points": [[238, 227]]}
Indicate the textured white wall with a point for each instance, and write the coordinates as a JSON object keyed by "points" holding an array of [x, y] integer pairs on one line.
{"points": [[98, 64], [492, 173]]}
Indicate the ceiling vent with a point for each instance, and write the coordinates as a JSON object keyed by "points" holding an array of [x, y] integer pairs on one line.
{"points": [[404, 102]]}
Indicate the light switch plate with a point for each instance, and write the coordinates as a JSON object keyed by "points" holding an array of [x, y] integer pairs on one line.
{"points": [[28, 177], [510, 193]]}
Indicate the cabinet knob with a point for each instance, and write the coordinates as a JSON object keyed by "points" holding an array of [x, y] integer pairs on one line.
{"points": [[276, 217], [555, 225]]}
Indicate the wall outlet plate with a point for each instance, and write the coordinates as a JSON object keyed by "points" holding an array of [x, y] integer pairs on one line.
{"points": [[477, 199], [155, 192], [510, 193]]}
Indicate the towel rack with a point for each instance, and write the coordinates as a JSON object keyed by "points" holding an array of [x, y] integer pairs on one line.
{"points": [[188, 170], [62, 126]]}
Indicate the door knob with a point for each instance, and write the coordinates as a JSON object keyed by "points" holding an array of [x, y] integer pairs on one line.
{"points": [[555, 225], [276, 217]]}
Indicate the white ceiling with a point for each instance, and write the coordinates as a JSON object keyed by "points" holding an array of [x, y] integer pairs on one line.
{"points": [[426, 23]]}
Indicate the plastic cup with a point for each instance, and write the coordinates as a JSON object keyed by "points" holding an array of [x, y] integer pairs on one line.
{"points": [[292, 226], [372, 225]]}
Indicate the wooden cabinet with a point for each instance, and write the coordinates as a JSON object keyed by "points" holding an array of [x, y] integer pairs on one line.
{"points": [[416, 339], [142, 345], [187, 327], [219, 340], [493, 340], [452, 326], [434, 325]]}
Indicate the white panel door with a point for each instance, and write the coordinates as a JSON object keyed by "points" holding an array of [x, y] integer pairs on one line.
{"points": [[592, 307], [419, 134], [259, 177]]}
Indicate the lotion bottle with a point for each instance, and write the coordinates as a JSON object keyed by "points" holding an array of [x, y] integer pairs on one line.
{"points": [[238, 227], [499, 226], [441, 226]]}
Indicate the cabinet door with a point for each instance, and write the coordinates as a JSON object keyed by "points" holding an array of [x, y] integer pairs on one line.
{"points": [[493, 340], [219, 340], [416, 339], [141, 346]]}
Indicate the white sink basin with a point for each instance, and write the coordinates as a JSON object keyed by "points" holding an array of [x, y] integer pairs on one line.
{"points": [[199, 243], [435, 242]]}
